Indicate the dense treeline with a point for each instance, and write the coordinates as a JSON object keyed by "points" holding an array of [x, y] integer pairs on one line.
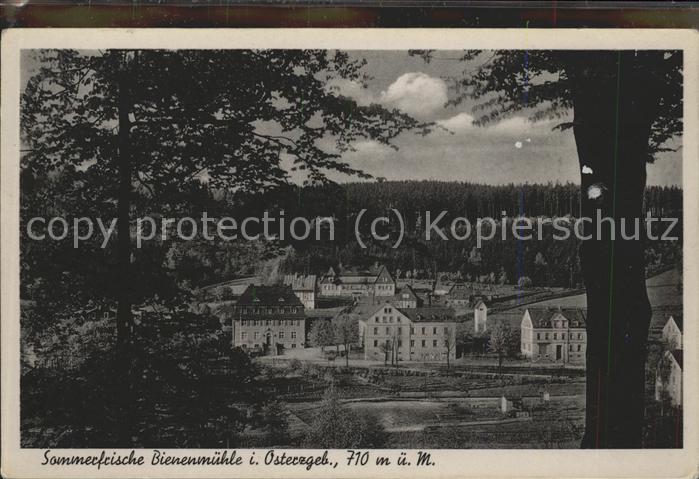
{"points": [[546, 261]]}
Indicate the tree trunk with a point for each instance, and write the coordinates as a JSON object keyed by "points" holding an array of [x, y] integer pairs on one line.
{"points": [[123, 294], [615, 101], [123, 219]]}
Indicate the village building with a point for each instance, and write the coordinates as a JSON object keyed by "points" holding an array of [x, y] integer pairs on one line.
{"points": [[411, 334], [376, 281], [672, 332], [406, 297], [554, 334], [269, 319], [458, 296], [480, 317], [668, 379], [304, 287]]}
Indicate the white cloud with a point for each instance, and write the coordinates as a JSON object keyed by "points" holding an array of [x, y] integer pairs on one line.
{"points": [[416, 93], [516, 124], [457, 123]]}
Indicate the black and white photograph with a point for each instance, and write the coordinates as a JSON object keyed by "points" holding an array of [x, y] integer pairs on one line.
{"points": [[347, 249]]}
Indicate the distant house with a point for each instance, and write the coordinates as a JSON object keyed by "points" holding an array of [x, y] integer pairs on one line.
{"points": [[304, 287], [554, 334], [268, 318], [412, 334], [376, 281], [672, 332], [480, 317], [406, 297], [458, 296], [668, 379], [441, 288]]}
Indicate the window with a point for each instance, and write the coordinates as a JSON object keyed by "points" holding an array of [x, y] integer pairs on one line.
{"points": [[386, 310], [434, 343], [423, 331], [281, 334], [578, 347], [412, 330], [538, 335], [376, 330], [293, 345], [555, 335], [400, 330], [293, 335], [423, 343], [434, 330], [388, 330], [376, 343], [400, 343], [579, 335], [570, 348], [546, 335], [257, 335], [412, 342], [563, 335], [446, 330], [376, 319], [243, 336]]}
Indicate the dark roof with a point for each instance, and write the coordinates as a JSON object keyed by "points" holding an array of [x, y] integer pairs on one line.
{"points": [[300, 282], [677, 354], [429, 313], [541, 317], [268, 295]]}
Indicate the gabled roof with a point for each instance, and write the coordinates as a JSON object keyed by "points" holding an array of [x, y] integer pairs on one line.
{"points": [[677, 354], [541, 317], [479, 302], [383, 276], [429, 313], [300, 282], [677, 318], [268, 295], [407, 289]]}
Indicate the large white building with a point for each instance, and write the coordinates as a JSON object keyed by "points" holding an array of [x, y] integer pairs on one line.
{"points": [[412, 334], [554, 334]]}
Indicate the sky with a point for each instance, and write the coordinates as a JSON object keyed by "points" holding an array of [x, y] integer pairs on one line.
{"points": [[513, 150]]}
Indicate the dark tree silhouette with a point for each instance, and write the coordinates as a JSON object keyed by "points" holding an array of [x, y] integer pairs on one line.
{"points": [[152, 121], [626, 106]]}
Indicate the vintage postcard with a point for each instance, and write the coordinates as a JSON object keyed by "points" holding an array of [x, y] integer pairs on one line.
{"points": [[349, 253]]}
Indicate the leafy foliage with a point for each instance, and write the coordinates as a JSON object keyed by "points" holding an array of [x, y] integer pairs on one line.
{"points": [[338, 427]]}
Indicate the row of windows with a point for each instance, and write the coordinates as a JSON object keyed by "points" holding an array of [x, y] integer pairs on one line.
{"points": [[256, 335], [269, 309], [423, 331], [563, 336], [571, 347], [270, 322], [423, 343], [387, 319]]}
